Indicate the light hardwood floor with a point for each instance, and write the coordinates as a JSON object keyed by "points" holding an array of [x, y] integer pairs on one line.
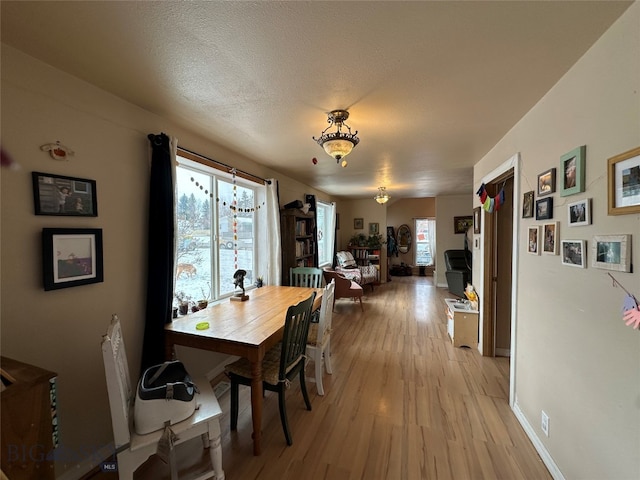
{"points": [[402, 403]]}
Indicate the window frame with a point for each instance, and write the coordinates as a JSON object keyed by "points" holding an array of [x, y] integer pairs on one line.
{"points": [[216, 175]]}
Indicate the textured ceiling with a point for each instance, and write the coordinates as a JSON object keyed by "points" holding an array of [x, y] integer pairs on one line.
{"points": [[430, 86]]}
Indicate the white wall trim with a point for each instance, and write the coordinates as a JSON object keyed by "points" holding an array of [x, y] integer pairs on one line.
{"points": [[512, 162], [537, 443]]}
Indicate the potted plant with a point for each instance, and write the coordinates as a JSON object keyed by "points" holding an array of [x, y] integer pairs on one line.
{"points": [[183, 302], [204, 301], [358, 240], [259, 281], [375, 242]]}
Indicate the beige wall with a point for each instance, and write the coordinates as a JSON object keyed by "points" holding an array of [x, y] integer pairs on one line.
{"points": [[575, 359], [448, 207], [405, 211], [370, 212], [61, 330]]}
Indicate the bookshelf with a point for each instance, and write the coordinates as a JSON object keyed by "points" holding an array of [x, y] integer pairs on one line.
{"points": [[298, 238]]}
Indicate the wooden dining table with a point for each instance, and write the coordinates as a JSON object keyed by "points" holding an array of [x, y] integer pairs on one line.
{"points": [[244, 328]]}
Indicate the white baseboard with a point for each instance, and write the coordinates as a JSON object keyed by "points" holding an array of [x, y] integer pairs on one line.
{"points": [[537, 443]]}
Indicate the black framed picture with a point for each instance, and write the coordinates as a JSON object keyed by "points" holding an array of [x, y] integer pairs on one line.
{"points": [[527, 205], [71, 257], [67, 196], [544, 209], [547, 182], [462, 224]]}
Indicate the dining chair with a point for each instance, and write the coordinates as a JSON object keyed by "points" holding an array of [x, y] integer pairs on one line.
{"points": [[345, 288], [280, 365], [310, 277], [319, 340], [134, 449]]}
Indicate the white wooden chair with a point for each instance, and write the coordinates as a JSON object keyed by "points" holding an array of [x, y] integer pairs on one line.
{"points": [[319, 339], [133, 449]]}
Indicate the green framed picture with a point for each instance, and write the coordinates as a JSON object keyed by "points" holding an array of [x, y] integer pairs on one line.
{"points": [[572, 169]]}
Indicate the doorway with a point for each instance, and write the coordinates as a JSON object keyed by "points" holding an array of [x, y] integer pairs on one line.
{"points": [[499, 268]]}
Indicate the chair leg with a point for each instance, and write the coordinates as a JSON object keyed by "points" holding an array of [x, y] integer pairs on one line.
{"points": [[215, 448], [326, 353], [361, 307], [283, 414], [317, 358], [234, 404], [303, 387]]}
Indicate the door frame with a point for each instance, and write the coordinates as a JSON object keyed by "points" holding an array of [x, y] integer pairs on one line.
{"points": [[487, 311]]}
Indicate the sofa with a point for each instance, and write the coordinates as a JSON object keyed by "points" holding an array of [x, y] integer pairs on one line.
{"points": [[361, 274], [458, 270]]}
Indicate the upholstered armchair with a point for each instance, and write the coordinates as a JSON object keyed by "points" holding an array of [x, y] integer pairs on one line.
{"points": [[458, 270], [345, 288], [361, 274]]}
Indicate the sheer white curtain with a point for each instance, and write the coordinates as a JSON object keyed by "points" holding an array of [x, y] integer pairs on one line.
{"points": [[273, 254], [331, 231], [431, 234]]}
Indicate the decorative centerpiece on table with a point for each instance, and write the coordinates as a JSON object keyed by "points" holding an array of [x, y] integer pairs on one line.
{"points": [[238, 281]]}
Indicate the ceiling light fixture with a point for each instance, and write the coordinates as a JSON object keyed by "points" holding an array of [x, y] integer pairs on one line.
{"points": [[338, 144], [382, 196]]}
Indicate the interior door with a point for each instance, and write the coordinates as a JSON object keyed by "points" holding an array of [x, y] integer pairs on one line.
{"points": [[497, 280]]}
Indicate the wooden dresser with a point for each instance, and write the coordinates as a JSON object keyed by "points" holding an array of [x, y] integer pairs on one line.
{"points": [[29, 423]]}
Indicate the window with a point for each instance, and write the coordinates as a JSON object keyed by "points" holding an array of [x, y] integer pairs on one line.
{"points": [[425, 229], [325, 221], [215, 230]]}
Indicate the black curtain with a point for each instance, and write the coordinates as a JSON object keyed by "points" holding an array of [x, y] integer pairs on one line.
{"points": [[159, 251]]}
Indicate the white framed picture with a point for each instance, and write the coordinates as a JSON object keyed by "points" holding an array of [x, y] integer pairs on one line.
{"points": [[574, 253], [550, 238], [533, 240], [611, 252], [579, 213]]}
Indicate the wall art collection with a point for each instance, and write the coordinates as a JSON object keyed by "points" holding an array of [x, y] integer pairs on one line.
{"points": [[609, 252]]}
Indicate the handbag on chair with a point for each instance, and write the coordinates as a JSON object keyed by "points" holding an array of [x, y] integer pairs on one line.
{"points": [[165, 395]]}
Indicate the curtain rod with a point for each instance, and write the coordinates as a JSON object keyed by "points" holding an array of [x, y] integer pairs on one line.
{"points": [[228, 167]]}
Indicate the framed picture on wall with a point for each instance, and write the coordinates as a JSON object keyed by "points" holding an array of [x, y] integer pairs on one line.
{"points": [[64, 196], [572, 166], [550, 238], [623, 174], [611, 252], [358, 223], [527, 205], [462, 224], [544, 209], [574, 253], [374, 228], [579, 213], [533, 240], [71, 257], [547, 182]]}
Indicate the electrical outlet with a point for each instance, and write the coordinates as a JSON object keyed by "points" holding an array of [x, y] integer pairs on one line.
{"points": [[545, 423]]}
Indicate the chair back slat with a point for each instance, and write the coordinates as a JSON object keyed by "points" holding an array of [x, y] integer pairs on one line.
{"points": [[326, 311], [309, 277], [296, 330], [118, 381]]}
